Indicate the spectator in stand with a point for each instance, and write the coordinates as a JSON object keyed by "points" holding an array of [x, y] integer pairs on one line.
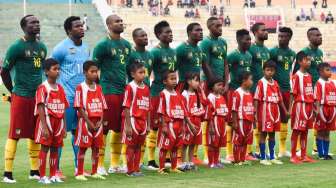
{"points": [[322, 17], [312, 14], [269, 3], [191, 13], [140, 3], [315, 3], [221, 10], [85, 23], [214, 11], [197, 14], [186, 14], [252, 4], [221, 18], [227, 21], [203, 2], [324, 4], [109, 2], [228, 2], [179, 4], [81, 1], [302, 15], [129, 3], [329, 18], [170, 3], [166, 11]]}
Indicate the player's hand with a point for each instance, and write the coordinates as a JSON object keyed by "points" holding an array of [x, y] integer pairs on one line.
{"points": [[128, 131], [91, 125], [99, 124], [45, 132]]}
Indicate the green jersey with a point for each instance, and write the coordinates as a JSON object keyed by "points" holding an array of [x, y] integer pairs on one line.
{"points": [[164, 59], [316, 58], [260, 54], [25, 59], [189, 59], [144, 57], [112, 57], [238, 62], [284, 58], [215, 50]]}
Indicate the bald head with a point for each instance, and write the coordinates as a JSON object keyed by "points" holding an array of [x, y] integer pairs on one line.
{"points": [[115, 24]]}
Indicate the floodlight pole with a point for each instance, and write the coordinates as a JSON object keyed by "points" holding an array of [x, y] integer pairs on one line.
{"points": [[24, 8]]}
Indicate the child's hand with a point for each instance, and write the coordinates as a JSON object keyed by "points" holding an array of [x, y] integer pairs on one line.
{"points": [[98, 125], [45, 132], [91, 125], [128, 131]]}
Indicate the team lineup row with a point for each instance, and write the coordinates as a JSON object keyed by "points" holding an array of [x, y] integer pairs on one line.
{"points": [[168, 114]]}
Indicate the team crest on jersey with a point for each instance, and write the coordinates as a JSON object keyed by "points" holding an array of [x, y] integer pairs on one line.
{"points": [[214, 49], [258, 55], [72, 50], [280, 58], [150, 62], [241, 62], [164, 60], [42, 54], [175, 59], [292, 58], [126, 51], [17, 131], [27, 53], [189, 55], [113, 51]]}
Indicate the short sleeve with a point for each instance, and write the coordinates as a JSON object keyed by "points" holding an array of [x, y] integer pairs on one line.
{"points": [[295, 85], [64, 99], [58, 53], [128, 96], [78, 102], [318, 92], [162, 104], [40, 95], [231, 59], [235, 101], [12, 55], [259, 93]]}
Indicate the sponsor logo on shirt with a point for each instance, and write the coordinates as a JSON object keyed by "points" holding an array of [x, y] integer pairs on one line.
{"points": [[95, 105], [57, 106], [143, 103]]}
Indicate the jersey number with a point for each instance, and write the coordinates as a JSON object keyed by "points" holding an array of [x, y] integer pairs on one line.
{"points": [[171, 65], [37, 62], [122, 59], [286, 66]]}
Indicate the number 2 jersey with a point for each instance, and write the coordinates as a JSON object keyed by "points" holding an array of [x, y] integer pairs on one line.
{"points": [[268, 96]]}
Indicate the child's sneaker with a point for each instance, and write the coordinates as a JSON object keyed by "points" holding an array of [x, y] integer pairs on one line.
{"points": [[138, 174], [114, 170], [276, 161], [152, 165], [163, 171], [328, 157], [8, 180], [98, 176], [307, 159], [295, 160], [219, 165], [59, 174], [56, 179], [81, 178], [238, 164], [265, 162], [176, 171], [102, 171], [197, 161], [250, 157], [44, 180], [123, 169], [314, 152]]}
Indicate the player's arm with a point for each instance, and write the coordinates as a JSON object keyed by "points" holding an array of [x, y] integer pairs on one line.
{"points": [[42, 116], [256, 105], [64, 128], [128, 128], [206, 58], [162, 113], [234, 120], [209, 118], [86, 118], [317, 97], [10, 59]]}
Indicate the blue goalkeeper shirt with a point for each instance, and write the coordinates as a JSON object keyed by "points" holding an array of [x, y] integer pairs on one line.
{"points": [[71, 59]]}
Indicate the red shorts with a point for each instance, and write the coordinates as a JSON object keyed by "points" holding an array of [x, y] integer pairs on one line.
{"points": [[86, 138], [302, 116], [204, 86], [22, 119], [55, 129], [180, 87], [154, 116], [174, 137], [268, 117], [229, 97], [189, 137], [219, 138], [244, 133], [139, 128], [113, 114], [286, 100], [326, 119]]}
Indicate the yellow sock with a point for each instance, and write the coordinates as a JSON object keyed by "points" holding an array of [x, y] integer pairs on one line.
{"points": [[283, 137], [229, 149], [10, 150], [101, 158], [256, 135], [123, 154], [204, 127], [142, 153], [249, 149], [115, 148], [151, 144], [298, 146], [34, 150], [195, 151], [314, 140]]}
